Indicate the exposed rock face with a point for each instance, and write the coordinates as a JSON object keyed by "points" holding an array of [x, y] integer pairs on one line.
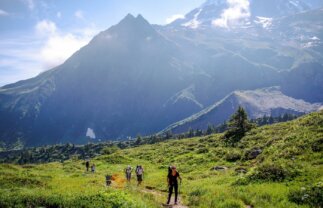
{"points": [[257, 103]]}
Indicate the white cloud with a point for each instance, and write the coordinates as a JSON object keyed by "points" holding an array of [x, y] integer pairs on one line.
{"points": [[46, 27], [79, 14], [174, 17], [3, 13], [26, 57], [237, 12], [58, 14], [30, 54], [58, 46]]}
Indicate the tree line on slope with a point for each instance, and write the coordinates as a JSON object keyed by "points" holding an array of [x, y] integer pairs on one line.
{"points": [[234, 130]]}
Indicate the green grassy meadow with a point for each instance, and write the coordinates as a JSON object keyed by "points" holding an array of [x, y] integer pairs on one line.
{"points": [[272, 166]]}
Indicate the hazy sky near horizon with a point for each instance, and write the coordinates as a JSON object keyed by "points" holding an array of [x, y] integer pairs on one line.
{"points": [[37, 35]]}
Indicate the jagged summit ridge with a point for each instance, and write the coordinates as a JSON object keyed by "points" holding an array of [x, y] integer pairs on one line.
{"points": [[131, 19]]}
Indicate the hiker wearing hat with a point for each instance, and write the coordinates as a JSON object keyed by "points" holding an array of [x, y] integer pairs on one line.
{"points": [[172, 180]]}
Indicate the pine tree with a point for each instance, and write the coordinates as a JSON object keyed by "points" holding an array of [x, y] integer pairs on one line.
{"points": [[138, 140], [169, 134], [238, 126], [210, 129], [190, 133]]}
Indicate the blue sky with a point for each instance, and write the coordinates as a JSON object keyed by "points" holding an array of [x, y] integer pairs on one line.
{"points": [[36, 35]]}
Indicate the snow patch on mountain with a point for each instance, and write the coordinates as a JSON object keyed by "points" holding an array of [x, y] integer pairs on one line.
{"points": [[90, 133], [194, 23], [265, 22]]}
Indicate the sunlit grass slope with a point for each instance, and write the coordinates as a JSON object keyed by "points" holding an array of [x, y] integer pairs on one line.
{"points": [[273, 166]]}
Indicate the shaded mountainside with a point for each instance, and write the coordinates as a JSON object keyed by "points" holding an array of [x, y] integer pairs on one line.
{"points": [[258, 103], [272, 166], [135, 78], [114, 85], [120, 85]]}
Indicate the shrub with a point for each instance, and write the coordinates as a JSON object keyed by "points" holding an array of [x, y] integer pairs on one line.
{"points": [[317, 145], [272, 172], [241, 181], [202, 150], [252, 153], [195, 196], [232, 156], [115, 199], [110, 150], [312, 195], [231, 204]]}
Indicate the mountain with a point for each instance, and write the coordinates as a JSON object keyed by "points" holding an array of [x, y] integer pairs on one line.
{"points": [[278, 8], [129, 79], [115, 85], [304, 82], [135, 78], [249, 11], [257, 103]]}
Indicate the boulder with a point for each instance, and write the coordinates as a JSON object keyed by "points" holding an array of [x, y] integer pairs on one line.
{"points": [[241, 170], [253, 153], [218, 168]]}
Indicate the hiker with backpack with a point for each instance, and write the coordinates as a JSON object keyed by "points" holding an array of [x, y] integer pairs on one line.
{"points": [[87, 165], [93, 168], [128, 171], [139, 172], [172, 181]]}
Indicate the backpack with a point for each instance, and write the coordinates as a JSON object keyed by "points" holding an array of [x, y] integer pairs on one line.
{"points": [[139, 171]]}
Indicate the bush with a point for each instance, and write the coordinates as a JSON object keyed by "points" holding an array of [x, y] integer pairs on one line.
{"points": [[115, 199], [252, 153], [202, 150], [317, 145], [241, 181], [195, 196], [312, 195], [231, 204], [232, 156], [272, 172], [110, 150]]}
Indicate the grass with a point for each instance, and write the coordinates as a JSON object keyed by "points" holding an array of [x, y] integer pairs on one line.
{"points": [[291, 159]]}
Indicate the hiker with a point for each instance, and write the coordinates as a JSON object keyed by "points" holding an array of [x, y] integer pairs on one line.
{"points": [[87, 165], [108, 179], [93, 168], [139, 172], [128, 171], [173, 183]]}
